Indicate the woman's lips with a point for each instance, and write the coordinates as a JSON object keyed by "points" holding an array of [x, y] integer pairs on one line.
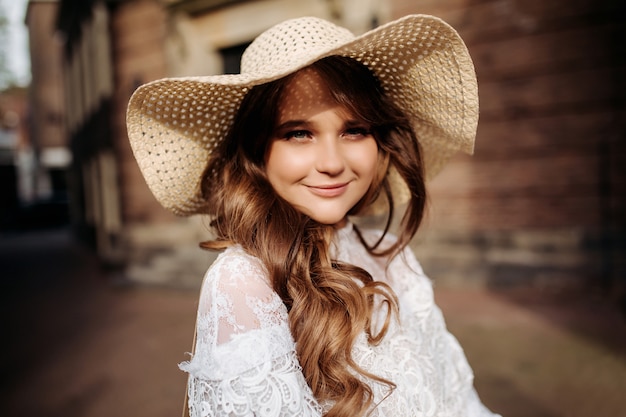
{"points": [[331, 190]]}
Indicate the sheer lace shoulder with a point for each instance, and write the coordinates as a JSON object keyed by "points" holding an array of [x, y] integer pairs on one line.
{"points": [[237, 294], [245, 361]]}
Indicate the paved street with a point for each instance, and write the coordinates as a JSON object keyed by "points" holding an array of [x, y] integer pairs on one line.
{"points": [[80, 341]]}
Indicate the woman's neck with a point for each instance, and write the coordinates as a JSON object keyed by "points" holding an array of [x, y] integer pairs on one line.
{"points": [[341, 224]]}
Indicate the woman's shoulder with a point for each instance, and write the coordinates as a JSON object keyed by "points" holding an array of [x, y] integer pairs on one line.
{"points": [[235, 258], [241, 322], [237, 292], [236, 268]]}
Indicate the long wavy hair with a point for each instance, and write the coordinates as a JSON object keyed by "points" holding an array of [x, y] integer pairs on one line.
{"points": [[330, 303]]}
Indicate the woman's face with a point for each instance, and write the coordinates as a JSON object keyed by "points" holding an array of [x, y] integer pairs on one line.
{"points": [[321, 159]]}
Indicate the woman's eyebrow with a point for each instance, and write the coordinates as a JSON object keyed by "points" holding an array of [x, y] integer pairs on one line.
{"points": [[291, 124], [355, 123]]}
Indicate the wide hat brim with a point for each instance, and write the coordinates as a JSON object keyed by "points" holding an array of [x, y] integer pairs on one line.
{"points": [[175, 124]]}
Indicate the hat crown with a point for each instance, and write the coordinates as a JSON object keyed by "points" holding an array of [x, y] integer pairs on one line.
{"points": [[292, 44]]}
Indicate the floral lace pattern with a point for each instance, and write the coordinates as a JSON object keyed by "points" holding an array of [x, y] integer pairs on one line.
{"points": [[245, 361]]}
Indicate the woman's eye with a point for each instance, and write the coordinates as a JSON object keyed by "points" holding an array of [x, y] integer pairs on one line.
{"points": [[297, 134], [357, 132]]}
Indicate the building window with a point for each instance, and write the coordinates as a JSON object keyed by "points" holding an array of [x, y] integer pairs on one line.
{"points": [[232, 58]]}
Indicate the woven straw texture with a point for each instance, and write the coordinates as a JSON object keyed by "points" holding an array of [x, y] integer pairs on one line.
{"points": [[174, 124]]}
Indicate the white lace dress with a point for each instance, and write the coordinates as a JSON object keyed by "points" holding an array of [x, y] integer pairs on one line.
{"points": [[245, 361]]}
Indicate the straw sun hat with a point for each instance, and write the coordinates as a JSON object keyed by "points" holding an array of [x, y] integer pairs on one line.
{"points": [[174, 124]]}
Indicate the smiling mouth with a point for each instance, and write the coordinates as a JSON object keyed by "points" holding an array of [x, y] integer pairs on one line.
{"points": [[332, 190]]}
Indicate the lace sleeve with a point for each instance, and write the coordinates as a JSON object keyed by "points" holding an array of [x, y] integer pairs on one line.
{"points": [[245, 362], [456, 373]]}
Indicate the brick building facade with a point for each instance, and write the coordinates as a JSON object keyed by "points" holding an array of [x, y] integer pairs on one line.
{"points": [[542, 201]]}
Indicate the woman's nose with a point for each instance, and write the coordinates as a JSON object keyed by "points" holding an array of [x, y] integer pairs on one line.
{"points": [[329, 159]]}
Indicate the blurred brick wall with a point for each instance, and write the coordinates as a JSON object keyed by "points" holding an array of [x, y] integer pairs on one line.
{"points": [[138, 36], [542, 200]]}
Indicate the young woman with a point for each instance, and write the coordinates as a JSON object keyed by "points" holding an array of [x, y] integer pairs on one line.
{"points": [[304, 313]]}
